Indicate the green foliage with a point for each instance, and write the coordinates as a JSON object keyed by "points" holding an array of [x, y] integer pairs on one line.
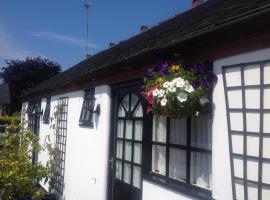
{"points": [[22, 75], [7, 120], [18, 176]]}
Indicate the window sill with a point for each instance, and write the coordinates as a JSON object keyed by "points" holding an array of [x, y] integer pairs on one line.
{"points": [[179, 187]]}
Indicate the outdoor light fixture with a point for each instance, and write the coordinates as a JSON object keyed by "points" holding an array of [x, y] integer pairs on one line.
{"points": [[86, 117], [97, 110]]}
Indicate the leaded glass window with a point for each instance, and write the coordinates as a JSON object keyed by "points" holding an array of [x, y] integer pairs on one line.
{"points": [[46, 114]]}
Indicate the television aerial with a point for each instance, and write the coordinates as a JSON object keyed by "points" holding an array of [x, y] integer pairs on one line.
{"points": [[86, 7]]}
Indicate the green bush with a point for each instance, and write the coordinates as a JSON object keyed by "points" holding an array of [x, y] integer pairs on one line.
{"points": [[7, 120], [18, 176]]}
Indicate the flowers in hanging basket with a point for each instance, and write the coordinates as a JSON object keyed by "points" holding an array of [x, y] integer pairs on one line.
{"points": [[175, 90]]}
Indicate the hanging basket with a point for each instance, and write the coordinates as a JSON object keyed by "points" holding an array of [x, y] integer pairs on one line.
{"points": [[176, 91]]}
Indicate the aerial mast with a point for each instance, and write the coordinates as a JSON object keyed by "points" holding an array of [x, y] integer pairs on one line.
{"points": [[86, 6]]}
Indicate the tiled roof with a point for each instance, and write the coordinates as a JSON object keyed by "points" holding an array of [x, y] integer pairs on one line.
{"points": [[4, 94], [210, 16]]}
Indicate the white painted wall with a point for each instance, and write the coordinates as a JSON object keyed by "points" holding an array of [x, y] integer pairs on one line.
{"points": [[86, 159], [221, 163], [43, 156]]}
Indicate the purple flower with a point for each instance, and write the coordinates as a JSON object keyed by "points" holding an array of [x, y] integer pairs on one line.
{"points": [[164, 66], [150, 70], [198, 68]]}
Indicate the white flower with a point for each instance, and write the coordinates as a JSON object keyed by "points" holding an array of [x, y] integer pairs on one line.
{"points": [[163, 102], [155, 93], [166, 84], [203, 101], [197, 113], [172, 89], [179, 82], [182, 97], [160, 93], [189, 88]]}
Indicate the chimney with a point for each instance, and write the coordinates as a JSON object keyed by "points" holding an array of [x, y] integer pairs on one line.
{"points": [[143, 29], [196, 3], [111, 44]]}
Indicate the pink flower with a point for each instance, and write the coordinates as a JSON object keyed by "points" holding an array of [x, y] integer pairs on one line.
{"points": [[150, 91], [151, 100]]}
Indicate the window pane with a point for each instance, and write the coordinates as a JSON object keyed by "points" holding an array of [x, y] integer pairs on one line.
{"points": [[159, 159], [201, 169], [134, 100], [118, 170], [120, 128], [129, 129], [138, 130], [138, 111], [128, 151], [121, 111], [125, 102], [178, 164], [159, 128], [178, 131], [201, 132], [137, 177], [137, 153], [119, 149], [127, 173]]}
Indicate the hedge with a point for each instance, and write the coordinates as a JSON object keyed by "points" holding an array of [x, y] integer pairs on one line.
{"points": [[6, 120]]}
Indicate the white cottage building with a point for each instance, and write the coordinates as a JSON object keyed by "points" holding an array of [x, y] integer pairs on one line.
{"points": [[113, 150]]}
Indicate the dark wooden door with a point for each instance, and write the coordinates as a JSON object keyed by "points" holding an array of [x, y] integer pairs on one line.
{"points": [[127, 136]]}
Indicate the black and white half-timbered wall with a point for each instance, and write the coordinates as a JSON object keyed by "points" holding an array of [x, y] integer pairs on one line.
{"points": [[112, 148]]}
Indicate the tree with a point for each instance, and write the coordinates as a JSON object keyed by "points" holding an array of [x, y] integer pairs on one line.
{"points": [[18, 176], [22, 75]]}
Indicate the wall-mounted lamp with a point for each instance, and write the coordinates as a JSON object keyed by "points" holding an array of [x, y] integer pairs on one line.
{"points": [[86, 117], [97, 110]]}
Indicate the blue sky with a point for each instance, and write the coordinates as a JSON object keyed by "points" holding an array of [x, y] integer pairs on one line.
{"points": [[55, 29]]}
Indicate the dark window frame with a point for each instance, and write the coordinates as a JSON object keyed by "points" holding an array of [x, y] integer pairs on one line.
{"points": [[46, 115], [164, 180], [30, 107], [86, 116], [33, 111]]}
